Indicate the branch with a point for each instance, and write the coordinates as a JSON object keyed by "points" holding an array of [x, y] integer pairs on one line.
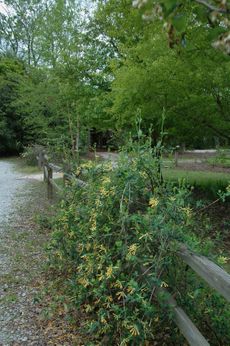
{"points": [[213, 8], [218, 132], [208, 206]]}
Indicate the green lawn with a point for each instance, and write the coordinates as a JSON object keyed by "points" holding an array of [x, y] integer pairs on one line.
{"points": [[59, 182], [21, 165], [210, 182], [29, 169], [221, 162]]}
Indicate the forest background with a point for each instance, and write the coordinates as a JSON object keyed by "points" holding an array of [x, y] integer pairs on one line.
{"points": [[73, 73], [67, 67]]}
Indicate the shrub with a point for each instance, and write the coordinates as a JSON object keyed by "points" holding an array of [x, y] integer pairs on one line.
{"points": [[222, 159], [116, 241], [30, 154]]}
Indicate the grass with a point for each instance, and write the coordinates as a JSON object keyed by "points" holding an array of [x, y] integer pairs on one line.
{"points": [[24, 168], [222, 159], [59, 182], [196, 176], [208, 182], [219, 161], [9, 298], [29, 170], [21, 165]]}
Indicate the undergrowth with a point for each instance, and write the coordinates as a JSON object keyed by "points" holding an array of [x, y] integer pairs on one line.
{"points": [[115, 242]]}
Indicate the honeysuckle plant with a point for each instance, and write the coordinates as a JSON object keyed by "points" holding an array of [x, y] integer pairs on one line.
{"points": [[116, 240]]}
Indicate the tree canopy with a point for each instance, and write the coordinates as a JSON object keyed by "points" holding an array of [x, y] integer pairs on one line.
{"points": [[70, 66]]}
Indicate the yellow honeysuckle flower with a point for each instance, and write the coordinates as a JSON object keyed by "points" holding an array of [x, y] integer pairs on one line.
{"points": [[130, 290], [109, 166], [153, 202], [93, 226], [103, 320], [98, 203], [106, 180], [80, 247], [103, 191], [187, 211], [84, 282], [223, 259], [132, 250], [112, 191], [164, 284], [78, 171], [102, 248], [71, 234], [120, 295], [93, 220], [144, 175], [58, 253], [88, 308], [134, 331], [118, 284], [88, 246], [100, 277], [106, 193], [88, 164], [109, 272]]}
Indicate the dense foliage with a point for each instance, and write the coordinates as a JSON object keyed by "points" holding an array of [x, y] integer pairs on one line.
{"points": [[70, 68], [115, 241], [11, 130], [215, 13], [99, 65]]}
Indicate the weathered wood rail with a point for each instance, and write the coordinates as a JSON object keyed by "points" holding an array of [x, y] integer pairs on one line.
{"points": [[48, 173], [183, 322], [214, 276], [211, 273]]}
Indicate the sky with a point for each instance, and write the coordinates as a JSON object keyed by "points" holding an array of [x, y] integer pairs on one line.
{"points": [[2, 7]]}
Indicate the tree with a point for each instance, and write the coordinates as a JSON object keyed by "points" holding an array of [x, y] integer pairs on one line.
{"points": [[20, 28], [149, 75], [214, 13], [54, 90], [11, 132]]}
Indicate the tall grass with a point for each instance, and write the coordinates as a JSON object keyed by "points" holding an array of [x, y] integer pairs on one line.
{"points": [[206, 182]]}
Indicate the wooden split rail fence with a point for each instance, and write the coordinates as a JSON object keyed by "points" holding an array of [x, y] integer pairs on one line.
{"points": [[49, 169], [215, 276]]}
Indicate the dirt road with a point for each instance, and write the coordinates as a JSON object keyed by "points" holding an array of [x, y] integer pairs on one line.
{"points": [[21, 253]]}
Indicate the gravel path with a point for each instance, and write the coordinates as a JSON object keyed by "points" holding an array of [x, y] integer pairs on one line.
{"points": [[194, 160], [21, 256]]}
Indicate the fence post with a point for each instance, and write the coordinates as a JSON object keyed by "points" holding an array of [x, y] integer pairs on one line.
{"points": [[41, 158], [49, 185], [176, 155], [45, 171]]}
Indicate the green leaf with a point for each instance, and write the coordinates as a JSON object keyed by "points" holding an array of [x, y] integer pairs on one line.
{"points": [[215, 32], [179, 22], [201, 13], [169, 6]]}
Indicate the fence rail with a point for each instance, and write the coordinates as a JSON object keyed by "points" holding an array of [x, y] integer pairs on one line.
{"points": [[214, 275], [183, 322], [211, 273], [48, 173]]}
